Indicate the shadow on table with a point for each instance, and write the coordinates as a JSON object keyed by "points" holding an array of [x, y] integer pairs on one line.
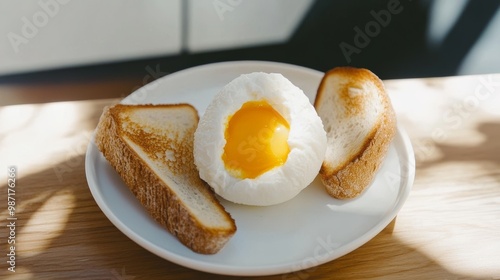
{"points": [[477, 153], [88, 246]]}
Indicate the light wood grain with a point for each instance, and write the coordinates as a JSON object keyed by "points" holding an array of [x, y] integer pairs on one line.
{"points": [[55, 91], [448, 229]]}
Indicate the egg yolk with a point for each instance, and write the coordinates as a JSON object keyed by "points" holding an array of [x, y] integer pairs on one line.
{"points": [[256, 140]]}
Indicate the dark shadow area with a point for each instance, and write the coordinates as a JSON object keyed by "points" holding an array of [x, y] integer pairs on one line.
{"points": [[383, 264], [396, 49], [89, 246], [467, 30], [476, 153]]}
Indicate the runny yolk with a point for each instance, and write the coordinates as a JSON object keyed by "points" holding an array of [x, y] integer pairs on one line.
{"points": [[256, 140]]}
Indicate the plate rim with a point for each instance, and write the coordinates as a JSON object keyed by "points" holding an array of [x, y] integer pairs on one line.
{"points": [[224, 269]]}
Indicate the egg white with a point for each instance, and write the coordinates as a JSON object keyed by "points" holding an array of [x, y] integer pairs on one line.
{"points": [[306, 140]]}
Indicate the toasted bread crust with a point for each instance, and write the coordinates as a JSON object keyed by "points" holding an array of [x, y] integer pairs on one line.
{"points": [[350, 179], [153, 193]]}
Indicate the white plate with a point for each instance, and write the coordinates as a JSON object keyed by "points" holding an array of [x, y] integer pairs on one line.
{"points": [[309, 230]]}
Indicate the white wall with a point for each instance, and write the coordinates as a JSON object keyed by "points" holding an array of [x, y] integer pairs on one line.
{"points": [[53, 33], [46, 34]]}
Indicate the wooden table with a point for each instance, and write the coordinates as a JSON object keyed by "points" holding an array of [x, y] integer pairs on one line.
{"points": [[449, 227]]}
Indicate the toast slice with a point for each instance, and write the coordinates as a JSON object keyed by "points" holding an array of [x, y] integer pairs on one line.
{"points": [[151, 148], [360, 124]]}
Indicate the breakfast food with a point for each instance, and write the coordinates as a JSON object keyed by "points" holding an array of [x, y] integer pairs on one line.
{"points": [[151, 148], [360, 124], [260, 141]]}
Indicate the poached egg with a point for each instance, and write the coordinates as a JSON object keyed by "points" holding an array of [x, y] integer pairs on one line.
{"points": [[260, 141]]}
